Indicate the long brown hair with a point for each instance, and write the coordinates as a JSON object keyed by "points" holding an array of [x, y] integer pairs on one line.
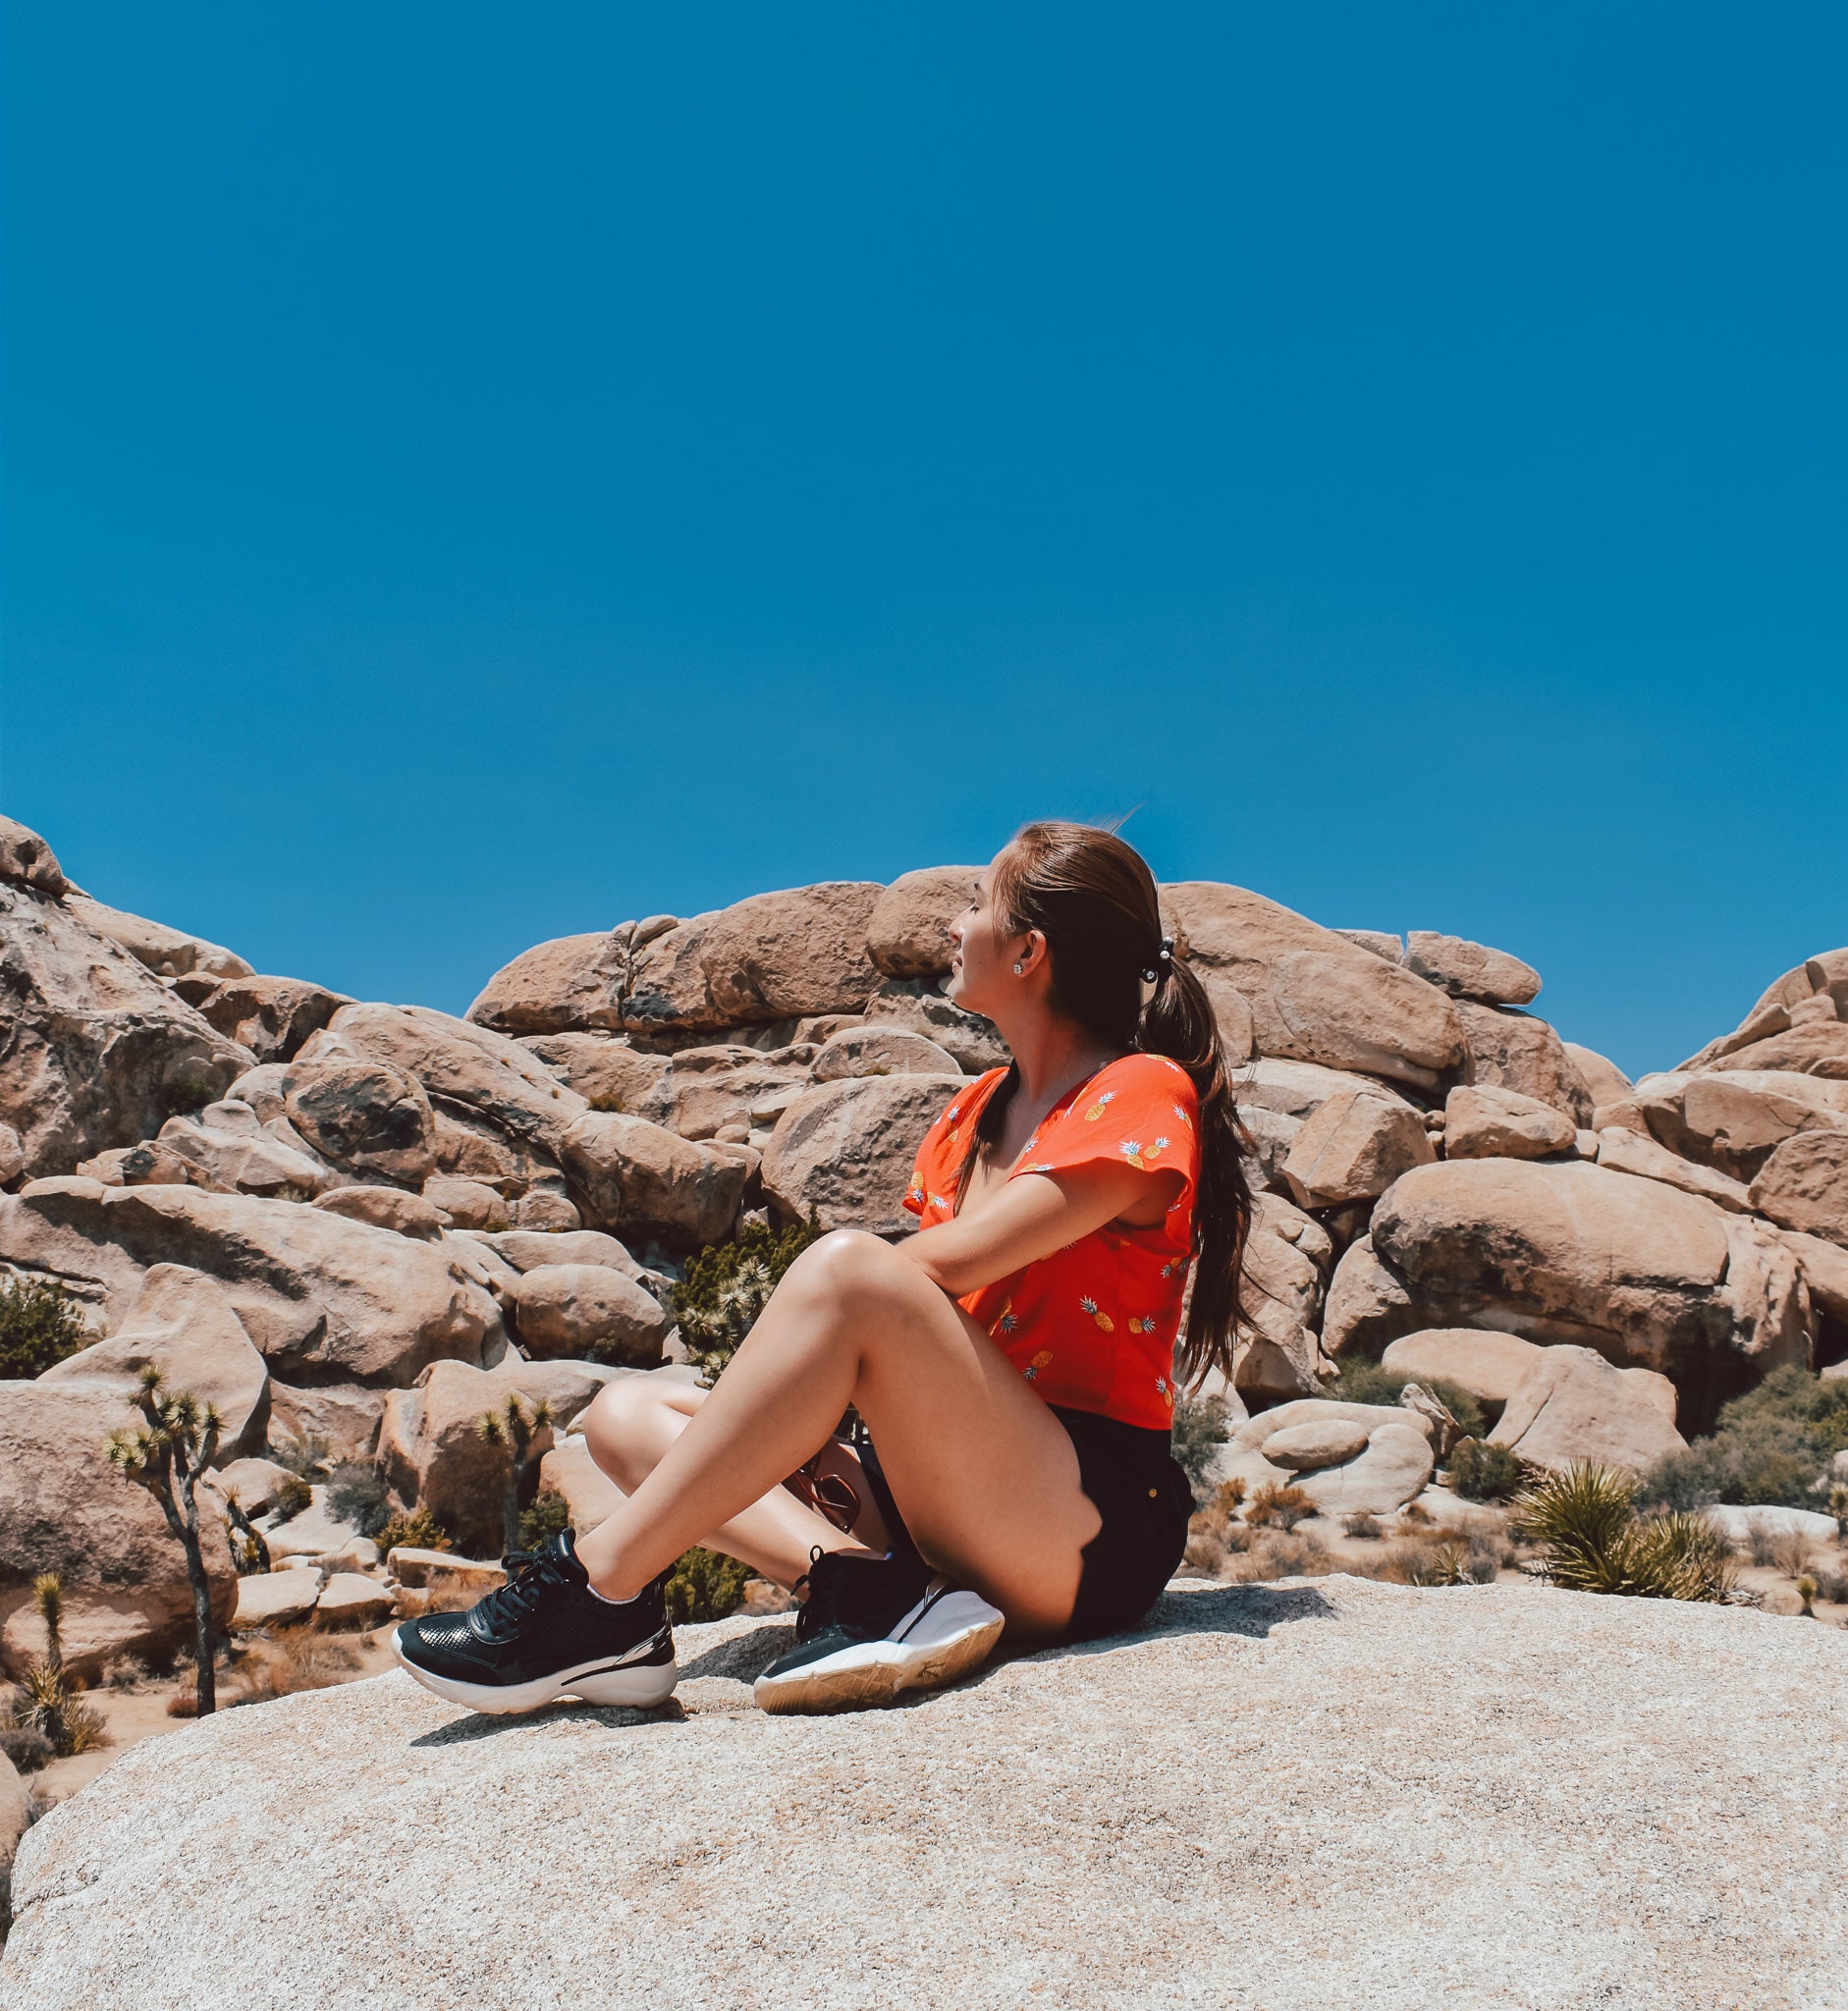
{"points": [[1094, 899]]}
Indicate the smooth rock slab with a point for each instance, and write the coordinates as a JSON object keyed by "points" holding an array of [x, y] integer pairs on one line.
{"points": [[1170, 1821]]}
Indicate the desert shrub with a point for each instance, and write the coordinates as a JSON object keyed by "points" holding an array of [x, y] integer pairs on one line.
{"points": [[1790, 1553], [1278, 1504], [1431, 1563], [39, 1325], [1277, 1554], [608, 1101], [550, 1515], [1481, 1472], [26, 1747], [294, 1495], [705, 1585], [356, 1492], [1768, 1450], [125, 1673], [188, 1093], [417, 1531], [1368, 1383], [1831, 1583], [306, 1458], [1592, 1540], [728, 1285], [1199, 1431], [1213, 1533], [1806, 1589], [290, 1660], [1363, 1525]]}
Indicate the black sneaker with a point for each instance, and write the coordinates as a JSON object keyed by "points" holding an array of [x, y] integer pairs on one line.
{"points": [[545, 1634], [872, 1627]]}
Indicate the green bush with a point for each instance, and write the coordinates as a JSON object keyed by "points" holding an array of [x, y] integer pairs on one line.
{"points": [[1279, 1503], [1480, 1472], [706, 1585], [304, 1458], [294, 1495], [357, 1493], [1198, 1433], [550, 1515], [39, 1325], [727, 1286], [1769, 1448], [1592, 1540], [188, 1093], [1368, 1383], [415, 1531]]}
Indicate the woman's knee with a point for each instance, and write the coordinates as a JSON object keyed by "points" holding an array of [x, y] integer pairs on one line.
{"points": [[623, 1425], [850, 1271]]}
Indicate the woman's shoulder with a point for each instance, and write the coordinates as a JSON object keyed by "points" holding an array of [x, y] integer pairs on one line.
{"points": [[1145, 1075], [960, 1112]]}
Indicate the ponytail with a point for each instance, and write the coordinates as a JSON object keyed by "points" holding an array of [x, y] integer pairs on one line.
{"points": [[1094, 899]]}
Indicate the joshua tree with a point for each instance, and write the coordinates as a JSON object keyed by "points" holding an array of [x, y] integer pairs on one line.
{"points": [[46, 1702], [515, 1427], [1838, 1508], [250, 1552], [165, 1454]]}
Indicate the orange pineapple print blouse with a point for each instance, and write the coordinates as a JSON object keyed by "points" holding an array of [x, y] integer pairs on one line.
{"points": [[1091, 1326]]}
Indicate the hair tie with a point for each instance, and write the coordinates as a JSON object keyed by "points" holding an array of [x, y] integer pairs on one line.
{"points": [[1163, 958]]}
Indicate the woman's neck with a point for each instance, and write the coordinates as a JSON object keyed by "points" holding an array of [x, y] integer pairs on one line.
{"points": [[1054, 1055]]}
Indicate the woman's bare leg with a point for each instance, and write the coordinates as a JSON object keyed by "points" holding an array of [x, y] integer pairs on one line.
{"points": [[985, 1474], [629, 1427]]}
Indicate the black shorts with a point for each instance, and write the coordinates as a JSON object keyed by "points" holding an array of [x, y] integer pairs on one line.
{"points": [[1144, 1498]]}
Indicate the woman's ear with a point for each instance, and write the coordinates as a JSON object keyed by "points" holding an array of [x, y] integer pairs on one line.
{"points": [[1032, 953]]}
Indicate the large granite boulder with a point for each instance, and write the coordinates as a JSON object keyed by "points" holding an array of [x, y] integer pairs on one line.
{"points": [[1510, 1050], [322, 1296], [907, 934], [571, 983], [271, 1016], [167, 952], [1348, 1459], [1804, 1185], [629, 1175], [1287, 1258], [1573, 1406], [1638, 1271], [1471, 970], [1313, 995], [96, 1052], [844, 1150], [1153, 1821], [182, 1323]]}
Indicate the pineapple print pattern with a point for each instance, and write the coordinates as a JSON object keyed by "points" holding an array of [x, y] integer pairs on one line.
{"points": [[1042, 1360], [1101, 1105], [1100, 1321], [1142, 1157]]}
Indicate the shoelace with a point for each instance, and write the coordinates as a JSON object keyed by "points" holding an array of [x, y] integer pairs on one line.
{"points": [[826, 1594], [531, 1575]]}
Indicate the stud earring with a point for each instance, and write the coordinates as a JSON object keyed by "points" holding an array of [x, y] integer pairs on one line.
{"points": [[1016, 970]]}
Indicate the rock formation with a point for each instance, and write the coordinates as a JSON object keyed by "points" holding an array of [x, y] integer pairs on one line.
{"points": [[330, 1214]]}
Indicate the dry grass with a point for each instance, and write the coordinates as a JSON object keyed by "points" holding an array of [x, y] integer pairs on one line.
{"points": [[447, 1596], [292, 1660]]}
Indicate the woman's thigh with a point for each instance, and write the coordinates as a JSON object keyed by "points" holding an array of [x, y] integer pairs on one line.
{"points": [[983, 1473]]}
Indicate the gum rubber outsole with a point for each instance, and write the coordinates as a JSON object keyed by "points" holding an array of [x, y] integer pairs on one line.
{"points": [[639, 1687], [865, 1686]]}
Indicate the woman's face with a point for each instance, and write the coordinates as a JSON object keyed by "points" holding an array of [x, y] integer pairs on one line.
{"points": [[983, 955]]}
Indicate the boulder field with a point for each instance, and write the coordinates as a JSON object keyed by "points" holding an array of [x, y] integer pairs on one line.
{"points": [[346, 1218], [1280, 1797]]}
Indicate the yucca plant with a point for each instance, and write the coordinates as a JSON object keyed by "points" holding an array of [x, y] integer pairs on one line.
{"points": [[46, 1702], [518, 1429], [1806, 1589], [1838, 1508], [1592, 1540], [727, 1286], [167, 1454]]}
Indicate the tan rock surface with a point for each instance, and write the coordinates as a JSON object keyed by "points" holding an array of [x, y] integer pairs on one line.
{"points": [[1313, 995], [1624, 1152], [1301, 1449], [97, 1052], [1575, 1253], [1573, 1405], [275, 1599], [916, 1005], [1085, 1822], [271, 1016], [182, 1323], [242, 1158], [1804, 1185], [1354, 1148], [467, 1204], [1502, 1123], [589, 1493], [368, 1117], [64, 1508], [1825, 1268], [343, 1415], [147, 1165], [350, 1599], [881, 1051], [1510, 1050], [386, 1208], [588, 1312], [1286, 1263], [907, 934], [1601, 1076], [707, 1089], [1489, 1365], [1470, 970], [167, 952], [573, 983], [313, 1291], [431, 1451], [26, 860], [608, 1071], [257, 1482], [845, 1150], [630, 1175]]}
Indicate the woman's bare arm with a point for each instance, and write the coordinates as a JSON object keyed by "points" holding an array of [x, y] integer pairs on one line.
{"points": [[1031, 1216]]}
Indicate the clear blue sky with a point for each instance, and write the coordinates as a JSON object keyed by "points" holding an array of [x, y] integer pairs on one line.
{"points": [[479, 472]]}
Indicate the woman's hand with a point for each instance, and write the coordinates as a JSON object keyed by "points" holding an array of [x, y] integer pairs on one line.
{"points": [[1032, 1216]]}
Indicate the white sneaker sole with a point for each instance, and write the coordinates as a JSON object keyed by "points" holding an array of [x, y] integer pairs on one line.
{"points": [[641, 1686], [959, 1635]]}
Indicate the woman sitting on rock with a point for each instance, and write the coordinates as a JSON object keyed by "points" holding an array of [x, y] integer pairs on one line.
{"points": [[1015, 1361]]}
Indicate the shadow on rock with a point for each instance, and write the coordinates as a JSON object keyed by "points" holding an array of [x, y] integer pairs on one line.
{"points": [[1248, 1610], [462, 1731]]}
